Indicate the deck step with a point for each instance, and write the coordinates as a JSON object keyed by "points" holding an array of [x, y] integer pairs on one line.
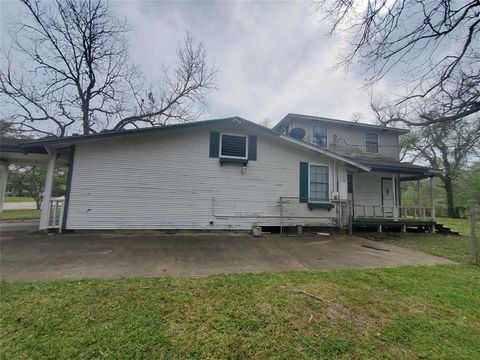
{"points": [[445, 229]]}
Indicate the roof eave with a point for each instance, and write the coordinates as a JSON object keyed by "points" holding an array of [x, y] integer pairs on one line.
{"points": [[114, 134]]}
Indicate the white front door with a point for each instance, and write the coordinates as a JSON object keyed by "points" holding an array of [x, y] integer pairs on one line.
{"points": [[387, 196]]}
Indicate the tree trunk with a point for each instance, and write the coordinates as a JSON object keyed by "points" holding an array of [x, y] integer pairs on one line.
{"points": [[448, 184], [85, 122]]}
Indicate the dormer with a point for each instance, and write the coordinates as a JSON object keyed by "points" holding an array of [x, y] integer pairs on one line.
{"points": [[344, 137]]}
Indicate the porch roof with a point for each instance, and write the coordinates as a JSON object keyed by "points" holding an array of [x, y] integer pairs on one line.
{"points": [[397, 166]]}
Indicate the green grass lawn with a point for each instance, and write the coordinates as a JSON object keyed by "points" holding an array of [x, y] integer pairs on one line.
{"points": [[461, 225], [18, 199], [19, 214], [410, 312], [455, 247]]}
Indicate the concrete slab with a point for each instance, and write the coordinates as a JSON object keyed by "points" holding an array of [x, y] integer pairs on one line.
{"points": [[26, 254]]}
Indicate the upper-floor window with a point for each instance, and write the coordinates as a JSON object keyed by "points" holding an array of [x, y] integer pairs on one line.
{"points": [[320, 136], [233, 146], [371, 142], [318, 183]]}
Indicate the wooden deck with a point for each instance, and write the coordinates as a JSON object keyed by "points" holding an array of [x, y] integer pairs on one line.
{"points": [[402, 225]]}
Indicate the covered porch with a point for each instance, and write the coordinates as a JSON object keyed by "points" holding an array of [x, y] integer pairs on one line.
{"points": [[15, 151], [376, 196]]}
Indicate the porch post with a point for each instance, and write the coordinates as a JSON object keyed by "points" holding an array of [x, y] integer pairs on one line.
{"points": [[47, 194], [394, 193], [418, 194], [432, 198], [3, 182]]}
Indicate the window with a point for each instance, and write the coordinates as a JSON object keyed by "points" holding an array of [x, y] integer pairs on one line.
{"points": [[318, 183], [234, 146], [371, 143], [320, 136]]}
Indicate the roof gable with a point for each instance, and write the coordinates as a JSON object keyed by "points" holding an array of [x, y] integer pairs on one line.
{"points": [[64, 141], [336, 122]]}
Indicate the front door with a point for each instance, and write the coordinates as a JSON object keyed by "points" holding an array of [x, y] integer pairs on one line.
{"points": [[387, 196]]}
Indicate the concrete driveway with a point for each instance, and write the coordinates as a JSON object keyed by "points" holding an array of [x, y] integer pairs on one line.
{"points": [[27, 254]]}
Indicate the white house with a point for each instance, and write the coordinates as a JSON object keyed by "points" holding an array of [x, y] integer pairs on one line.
{"points": [[229, 174]]}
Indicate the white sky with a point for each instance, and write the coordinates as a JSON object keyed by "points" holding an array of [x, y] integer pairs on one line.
{"points": [[274, 58]]}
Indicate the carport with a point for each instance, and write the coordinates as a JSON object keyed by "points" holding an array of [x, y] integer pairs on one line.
{"points": [[14, 151]]}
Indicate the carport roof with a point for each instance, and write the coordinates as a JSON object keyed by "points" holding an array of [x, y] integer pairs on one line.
{"points": [[12, 152]]}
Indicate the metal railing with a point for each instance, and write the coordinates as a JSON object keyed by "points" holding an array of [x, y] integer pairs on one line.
{"points": [[339, 216], [364, 211], [55, 215]]}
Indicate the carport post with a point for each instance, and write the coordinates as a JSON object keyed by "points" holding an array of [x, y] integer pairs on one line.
{"points": [[3, 182], [47, 194], [432, 198]]}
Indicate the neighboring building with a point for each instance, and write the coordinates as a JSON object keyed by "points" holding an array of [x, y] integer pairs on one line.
{"points": [[230, 174]]}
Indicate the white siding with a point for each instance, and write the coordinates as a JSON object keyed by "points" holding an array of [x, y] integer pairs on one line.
{"points": [[351, 140], [168, 181], [367, 190]]}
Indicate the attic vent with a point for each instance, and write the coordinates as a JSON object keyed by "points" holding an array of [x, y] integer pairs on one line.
{"points": [[233, 146]]}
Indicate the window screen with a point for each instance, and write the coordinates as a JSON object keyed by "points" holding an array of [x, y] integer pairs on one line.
{"points": [[234, 146], [318, 183], [320, 136], [372, 143]]}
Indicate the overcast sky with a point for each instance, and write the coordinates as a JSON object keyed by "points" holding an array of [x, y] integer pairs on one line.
{"points": [[274, 58]]}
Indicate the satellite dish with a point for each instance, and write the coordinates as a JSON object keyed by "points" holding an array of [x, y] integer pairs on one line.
{"points": [[297, 133]]}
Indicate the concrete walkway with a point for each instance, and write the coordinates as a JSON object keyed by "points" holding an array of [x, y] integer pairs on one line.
{"points": [[27, 254]]}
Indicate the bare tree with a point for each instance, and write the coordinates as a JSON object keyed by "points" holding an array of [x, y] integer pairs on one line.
{"points": [[68, 70], [180, 94], [432, 44]]}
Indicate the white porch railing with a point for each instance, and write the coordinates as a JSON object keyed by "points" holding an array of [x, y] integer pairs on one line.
{"points": [[55, 215], [393, 212]]}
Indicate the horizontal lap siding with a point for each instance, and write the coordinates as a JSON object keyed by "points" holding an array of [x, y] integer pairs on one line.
{"points": [[168, 181]]}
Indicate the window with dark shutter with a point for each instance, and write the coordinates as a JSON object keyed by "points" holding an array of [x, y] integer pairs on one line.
{"points": [[371, 143], [233, 146], [318, 183]]}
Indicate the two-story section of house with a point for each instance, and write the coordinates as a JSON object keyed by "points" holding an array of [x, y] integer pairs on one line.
{"points": [[376, 193]]}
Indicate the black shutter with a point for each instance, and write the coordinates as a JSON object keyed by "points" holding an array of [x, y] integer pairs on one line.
{"points": [[252, 147], [304, 182], [214, 143]]}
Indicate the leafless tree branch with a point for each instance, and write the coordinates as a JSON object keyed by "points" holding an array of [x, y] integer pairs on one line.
{"points": [[68, 70]]}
